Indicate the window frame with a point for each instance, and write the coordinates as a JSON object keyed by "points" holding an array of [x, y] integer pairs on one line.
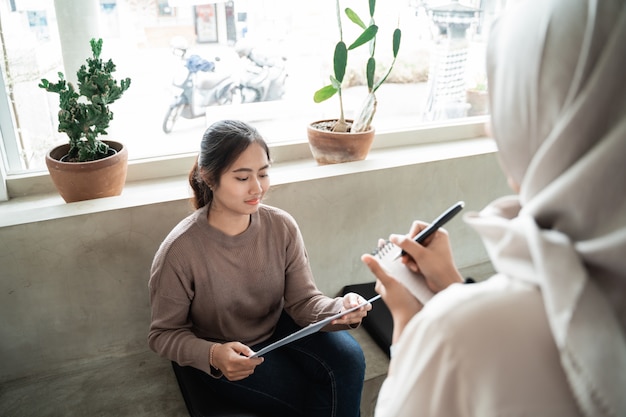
{"points": [[15, 183]]}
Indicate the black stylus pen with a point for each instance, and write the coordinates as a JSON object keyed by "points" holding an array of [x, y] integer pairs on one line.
{"points": [[439, 221]]}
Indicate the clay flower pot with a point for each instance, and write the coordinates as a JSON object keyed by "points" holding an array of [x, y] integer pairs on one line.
{"points": [[78, 181], [330, 147]]}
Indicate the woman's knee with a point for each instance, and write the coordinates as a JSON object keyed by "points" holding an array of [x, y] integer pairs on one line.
{"points": [[350, 352]]}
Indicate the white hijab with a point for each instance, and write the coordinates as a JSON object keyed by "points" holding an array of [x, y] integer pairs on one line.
{"points": [[557, 82]]}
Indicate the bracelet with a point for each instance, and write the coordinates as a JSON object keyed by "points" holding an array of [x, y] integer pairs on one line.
{"points": [[211, 356]]}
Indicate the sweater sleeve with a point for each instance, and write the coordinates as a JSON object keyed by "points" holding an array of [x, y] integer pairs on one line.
{"points": [[170, 333]]}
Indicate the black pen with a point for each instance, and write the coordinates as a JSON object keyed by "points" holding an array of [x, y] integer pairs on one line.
{"points": [[439, 221]]}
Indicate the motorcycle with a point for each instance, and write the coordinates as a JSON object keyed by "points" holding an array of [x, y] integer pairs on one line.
{"points": [[202, 86], [265, 75]]}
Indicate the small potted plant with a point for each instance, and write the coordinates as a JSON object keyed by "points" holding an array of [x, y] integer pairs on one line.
{"points": [[87, 167], [342, 140], [477, 96]]}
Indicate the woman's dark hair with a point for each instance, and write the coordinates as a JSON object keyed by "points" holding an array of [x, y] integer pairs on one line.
{"points": [[221, 145]]}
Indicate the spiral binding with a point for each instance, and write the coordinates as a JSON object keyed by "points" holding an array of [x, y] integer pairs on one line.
{"points": [[384, 249]]}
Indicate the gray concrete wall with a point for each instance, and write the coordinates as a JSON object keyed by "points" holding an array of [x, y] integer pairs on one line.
{"points": [[74, 290]]}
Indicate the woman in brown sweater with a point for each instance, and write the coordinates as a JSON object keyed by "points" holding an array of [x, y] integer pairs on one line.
{"points": [[234, 276]]}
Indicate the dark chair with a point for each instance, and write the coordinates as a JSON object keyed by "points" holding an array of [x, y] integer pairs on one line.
{"points": [[199, 399], [378, 322]]}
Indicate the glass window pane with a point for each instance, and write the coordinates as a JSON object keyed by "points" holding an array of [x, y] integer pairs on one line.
{"points": [[251, 45]]}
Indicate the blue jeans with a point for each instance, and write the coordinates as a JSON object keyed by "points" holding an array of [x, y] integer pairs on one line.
{"points": [[318, 375]]}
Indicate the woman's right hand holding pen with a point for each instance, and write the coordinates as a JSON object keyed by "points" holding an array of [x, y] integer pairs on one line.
{"points": [[433, 259]]}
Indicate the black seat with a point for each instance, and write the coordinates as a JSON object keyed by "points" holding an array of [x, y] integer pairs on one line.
{"points": [[378, 322], [199, 399]]}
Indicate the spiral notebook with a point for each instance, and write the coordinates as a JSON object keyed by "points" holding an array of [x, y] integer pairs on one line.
{"points": [[389, 257]]}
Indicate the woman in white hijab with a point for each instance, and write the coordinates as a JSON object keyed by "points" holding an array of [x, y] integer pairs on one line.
{"points": [[546, 335]]}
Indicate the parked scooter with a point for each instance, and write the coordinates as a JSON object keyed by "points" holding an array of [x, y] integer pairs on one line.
{"points": [[202, 86], [265, 75]]}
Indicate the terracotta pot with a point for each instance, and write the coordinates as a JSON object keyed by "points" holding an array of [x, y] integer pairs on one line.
{"points": [[78, 181], [479, 102], [335, 147]]}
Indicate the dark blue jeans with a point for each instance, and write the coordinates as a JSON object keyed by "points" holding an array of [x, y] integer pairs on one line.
{"points": [[318, 375]]}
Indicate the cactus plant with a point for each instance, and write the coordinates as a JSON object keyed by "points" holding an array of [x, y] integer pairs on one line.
{"points": [[84, 115]]}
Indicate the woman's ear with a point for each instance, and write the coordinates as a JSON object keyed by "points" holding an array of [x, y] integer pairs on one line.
{"points": [[207, 179]]}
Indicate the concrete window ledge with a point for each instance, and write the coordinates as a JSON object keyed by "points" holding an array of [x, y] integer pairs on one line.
{"points": [[50, 205]]}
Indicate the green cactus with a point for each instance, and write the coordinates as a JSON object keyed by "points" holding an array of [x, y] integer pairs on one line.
{"points": [[84, 120]]}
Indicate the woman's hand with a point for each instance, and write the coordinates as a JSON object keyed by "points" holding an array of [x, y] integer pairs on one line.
{"points": [[351, 300], [233, 360], [433, 259], [401, 303]]}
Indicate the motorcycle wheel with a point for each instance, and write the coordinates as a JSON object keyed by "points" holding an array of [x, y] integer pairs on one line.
{"points": [[171, 116], [250, 95]]}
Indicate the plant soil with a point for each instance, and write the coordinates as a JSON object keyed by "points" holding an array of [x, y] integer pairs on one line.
{"points": [[67, 158], [328, 125]]}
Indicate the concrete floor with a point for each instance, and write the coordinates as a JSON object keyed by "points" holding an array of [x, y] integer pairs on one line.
{"points": [[136, 386]]}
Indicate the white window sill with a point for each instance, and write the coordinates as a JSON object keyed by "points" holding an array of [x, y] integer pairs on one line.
{"points": [[161, 180]]}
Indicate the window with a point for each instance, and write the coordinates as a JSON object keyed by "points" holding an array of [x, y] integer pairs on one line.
{"points": [[441, 58]]}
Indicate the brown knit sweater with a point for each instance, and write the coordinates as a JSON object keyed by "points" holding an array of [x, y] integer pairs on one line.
{"points": [[206, 286]]}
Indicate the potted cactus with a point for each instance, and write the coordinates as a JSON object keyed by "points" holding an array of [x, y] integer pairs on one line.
{"points": [[342, 140], [87, 167]]}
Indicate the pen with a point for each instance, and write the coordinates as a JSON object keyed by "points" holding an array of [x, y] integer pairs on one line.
{"points": [[439, 221]]}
